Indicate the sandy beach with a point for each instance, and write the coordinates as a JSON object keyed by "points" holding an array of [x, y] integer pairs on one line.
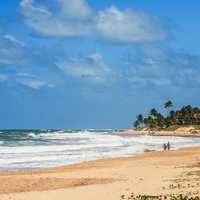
{"points": [[150, 173], [99, 100]]}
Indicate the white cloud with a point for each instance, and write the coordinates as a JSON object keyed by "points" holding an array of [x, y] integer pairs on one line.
{"points": [[91, 68], [63, 24], [162, 67], [128, 26], [161, 82], [21, 64], [11, 50], [13, 40], [76, 9], [33, 83], [96, 57], [76, 18], [145, 81]]}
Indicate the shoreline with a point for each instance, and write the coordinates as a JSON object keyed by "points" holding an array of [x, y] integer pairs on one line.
{"points": [[115, 176], [84, 163], [77, 165], [125, 133], [152, 153], [87, 163]]}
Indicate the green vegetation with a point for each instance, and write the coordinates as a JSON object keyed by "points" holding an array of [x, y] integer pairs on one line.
{"points": [[148, 197], [186, 116]]}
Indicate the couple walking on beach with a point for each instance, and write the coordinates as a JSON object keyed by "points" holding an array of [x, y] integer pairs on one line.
{"points": [[166, 146]]}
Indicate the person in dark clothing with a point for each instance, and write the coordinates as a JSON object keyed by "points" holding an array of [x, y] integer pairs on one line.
{"points": [[164, 147], [168, 146]]}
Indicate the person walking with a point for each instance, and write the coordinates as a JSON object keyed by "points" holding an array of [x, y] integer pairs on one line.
{"points": [[168, 146], [164, 147]]}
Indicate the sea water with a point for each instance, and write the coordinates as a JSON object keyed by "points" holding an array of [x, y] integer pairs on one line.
{"points": [[30, 149]]}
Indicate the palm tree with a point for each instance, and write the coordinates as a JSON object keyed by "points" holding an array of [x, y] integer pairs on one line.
{"points": [[187, 115], [153, 112], [136, 124], [152, 123], [146, 121], [140, 119], [168, 105], [160, 120], [173, 116]]}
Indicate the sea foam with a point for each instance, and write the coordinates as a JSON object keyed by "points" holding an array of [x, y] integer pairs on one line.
{"points": [[38, 149]]}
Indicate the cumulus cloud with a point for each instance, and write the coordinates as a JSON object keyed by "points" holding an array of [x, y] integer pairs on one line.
{"points": [[76, 9], [76, 18], [68, 23], [90, 68], [128, 26]]}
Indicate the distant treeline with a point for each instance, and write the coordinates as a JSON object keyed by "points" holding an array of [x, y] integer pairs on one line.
{"points": [[187, 115]]}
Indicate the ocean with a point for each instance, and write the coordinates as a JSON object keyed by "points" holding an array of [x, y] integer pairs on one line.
{"points": [[33, 149]]}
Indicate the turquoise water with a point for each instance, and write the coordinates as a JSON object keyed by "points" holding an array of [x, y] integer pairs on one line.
{"points": [[27, 149]]}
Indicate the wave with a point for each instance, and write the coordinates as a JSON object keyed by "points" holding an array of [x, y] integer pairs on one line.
{"points": [[50, 148]]}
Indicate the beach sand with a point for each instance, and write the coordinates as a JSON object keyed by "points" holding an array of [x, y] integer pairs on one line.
{"points": [[180, 132], [150, 173]]}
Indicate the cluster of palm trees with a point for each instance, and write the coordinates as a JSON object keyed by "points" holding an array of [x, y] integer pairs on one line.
{"points": [[187, 115]]}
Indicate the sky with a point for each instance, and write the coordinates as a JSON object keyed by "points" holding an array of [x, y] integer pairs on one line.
{"points": [[95, 64]]}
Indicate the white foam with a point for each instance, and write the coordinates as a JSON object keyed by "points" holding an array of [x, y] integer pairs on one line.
{"points": [[68, 148]]}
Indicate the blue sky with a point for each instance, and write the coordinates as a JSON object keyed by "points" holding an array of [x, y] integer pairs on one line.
{"points": [[95, 64]]}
